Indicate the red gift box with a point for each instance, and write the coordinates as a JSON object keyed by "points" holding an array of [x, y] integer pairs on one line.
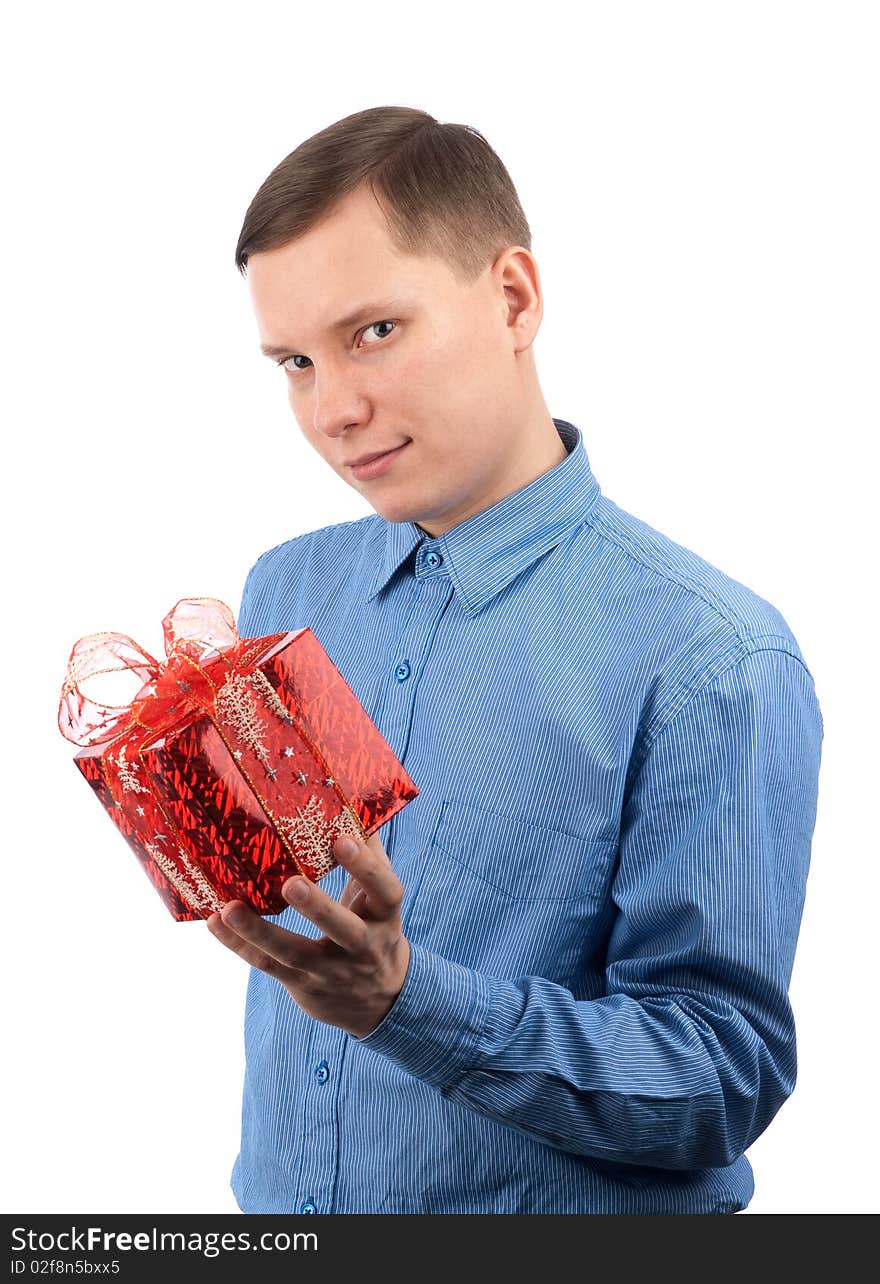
{"points": [[239, 762]]}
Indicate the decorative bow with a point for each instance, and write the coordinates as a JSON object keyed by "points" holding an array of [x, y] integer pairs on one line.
{"points": [[202, 649]]}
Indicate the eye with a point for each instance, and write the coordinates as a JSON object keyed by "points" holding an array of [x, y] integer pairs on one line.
{"points": [[375, 325], [289, 363], [284, 362]]}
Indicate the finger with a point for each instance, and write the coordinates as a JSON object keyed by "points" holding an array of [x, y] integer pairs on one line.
{"points": [[248, 953], [369, 865], [262, 940], [335, 920], [351, 893], [358, 901]]}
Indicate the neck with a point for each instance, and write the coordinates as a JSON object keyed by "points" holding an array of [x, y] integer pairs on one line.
{"points": [[542, 449]]}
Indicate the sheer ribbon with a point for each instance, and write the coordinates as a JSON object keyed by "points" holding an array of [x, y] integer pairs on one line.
{"points": [[202, 650]]}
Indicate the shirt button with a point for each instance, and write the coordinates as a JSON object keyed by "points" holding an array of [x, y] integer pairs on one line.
{"points": [[402, 672], [433, 559], [322, 1072], [308, 1207]]}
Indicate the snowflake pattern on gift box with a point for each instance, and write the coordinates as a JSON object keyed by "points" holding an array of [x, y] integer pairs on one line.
{"points": [[127, 778], [273, 701], [312, 835], [238, 708], [197, 892]]}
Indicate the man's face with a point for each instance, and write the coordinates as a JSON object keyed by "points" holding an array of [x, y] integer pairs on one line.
{"points": [[430, 366]]}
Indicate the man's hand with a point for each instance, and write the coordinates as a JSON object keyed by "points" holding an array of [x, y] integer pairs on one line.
{"points": [[351, 976]]}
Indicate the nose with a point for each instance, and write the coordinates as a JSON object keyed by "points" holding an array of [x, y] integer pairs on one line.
{"points": [[338, 403]]}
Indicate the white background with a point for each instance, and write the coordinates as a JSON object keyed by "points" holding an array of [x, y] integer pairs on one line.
{"points": [[701, 183]]}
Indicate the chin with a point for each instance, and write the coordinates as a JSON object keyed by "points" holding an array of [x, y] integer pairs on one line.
{"points": [[394, 512]]}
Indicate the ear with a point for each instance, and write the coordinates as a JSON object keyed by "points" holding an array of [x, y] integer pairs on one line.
{"points": [[520, 284]]}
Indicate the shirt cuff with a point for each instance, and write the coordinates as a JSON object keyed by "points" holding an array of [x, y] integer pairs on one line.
{"points": [[435, 1027]]}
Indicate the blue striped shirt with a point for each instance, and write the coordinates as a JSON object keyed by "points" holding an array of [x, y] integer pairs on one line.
{"points": [[617, 749]]}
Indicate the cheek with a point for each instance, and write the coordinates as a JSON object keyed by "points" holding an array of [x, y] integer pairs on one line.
{"points": [[462, 376], [439, 373], [469, 355]]}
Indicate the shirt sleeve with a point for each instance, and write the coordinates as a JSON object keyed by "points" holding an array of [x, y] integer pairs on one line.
{"points": [[690, 1052]]}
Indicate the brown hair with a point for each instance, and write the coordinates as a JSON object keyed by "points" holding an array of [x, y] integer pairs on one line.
{"points": [[441, 187]]}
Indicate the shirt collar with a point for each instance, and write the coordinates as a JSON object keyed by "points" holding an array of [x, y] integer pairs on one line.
{"points": [[485, 552]]}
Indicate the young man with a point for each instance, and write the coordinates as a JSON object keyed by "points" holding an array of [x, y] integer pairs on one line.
{"points": [[557, 981]]}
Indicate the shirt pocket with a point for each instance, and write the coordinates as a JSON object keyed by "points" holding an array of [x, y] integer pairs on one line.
{"points": [[510, 898]]}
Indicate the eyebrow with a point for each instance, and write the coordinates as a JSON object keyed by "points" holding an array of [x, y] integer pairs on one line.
{"points": [[361, 313]]}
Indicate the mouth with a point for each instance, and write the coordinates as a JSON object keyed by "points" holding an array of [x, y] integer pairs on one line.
{"points": [[373, 464]]}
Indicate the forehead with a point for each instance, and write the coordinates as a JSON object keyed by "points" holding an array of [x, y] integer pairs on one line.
{"points": [[346, 259]]}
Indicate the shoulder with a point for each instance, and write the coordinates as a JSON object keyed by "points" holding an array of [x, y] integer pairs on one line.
{"points": [[280, 581], [692, 630], [669, 572], [326, 541]]}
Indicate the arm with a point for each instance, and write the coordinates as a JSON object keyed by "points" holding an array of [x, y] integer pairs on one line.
{"points": [[690, 1053]]}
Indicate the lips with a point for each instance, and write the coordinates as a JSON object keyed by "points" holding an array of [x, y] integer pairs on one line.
{"points": [[368, 459], [376, 454], [377, 465]]}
